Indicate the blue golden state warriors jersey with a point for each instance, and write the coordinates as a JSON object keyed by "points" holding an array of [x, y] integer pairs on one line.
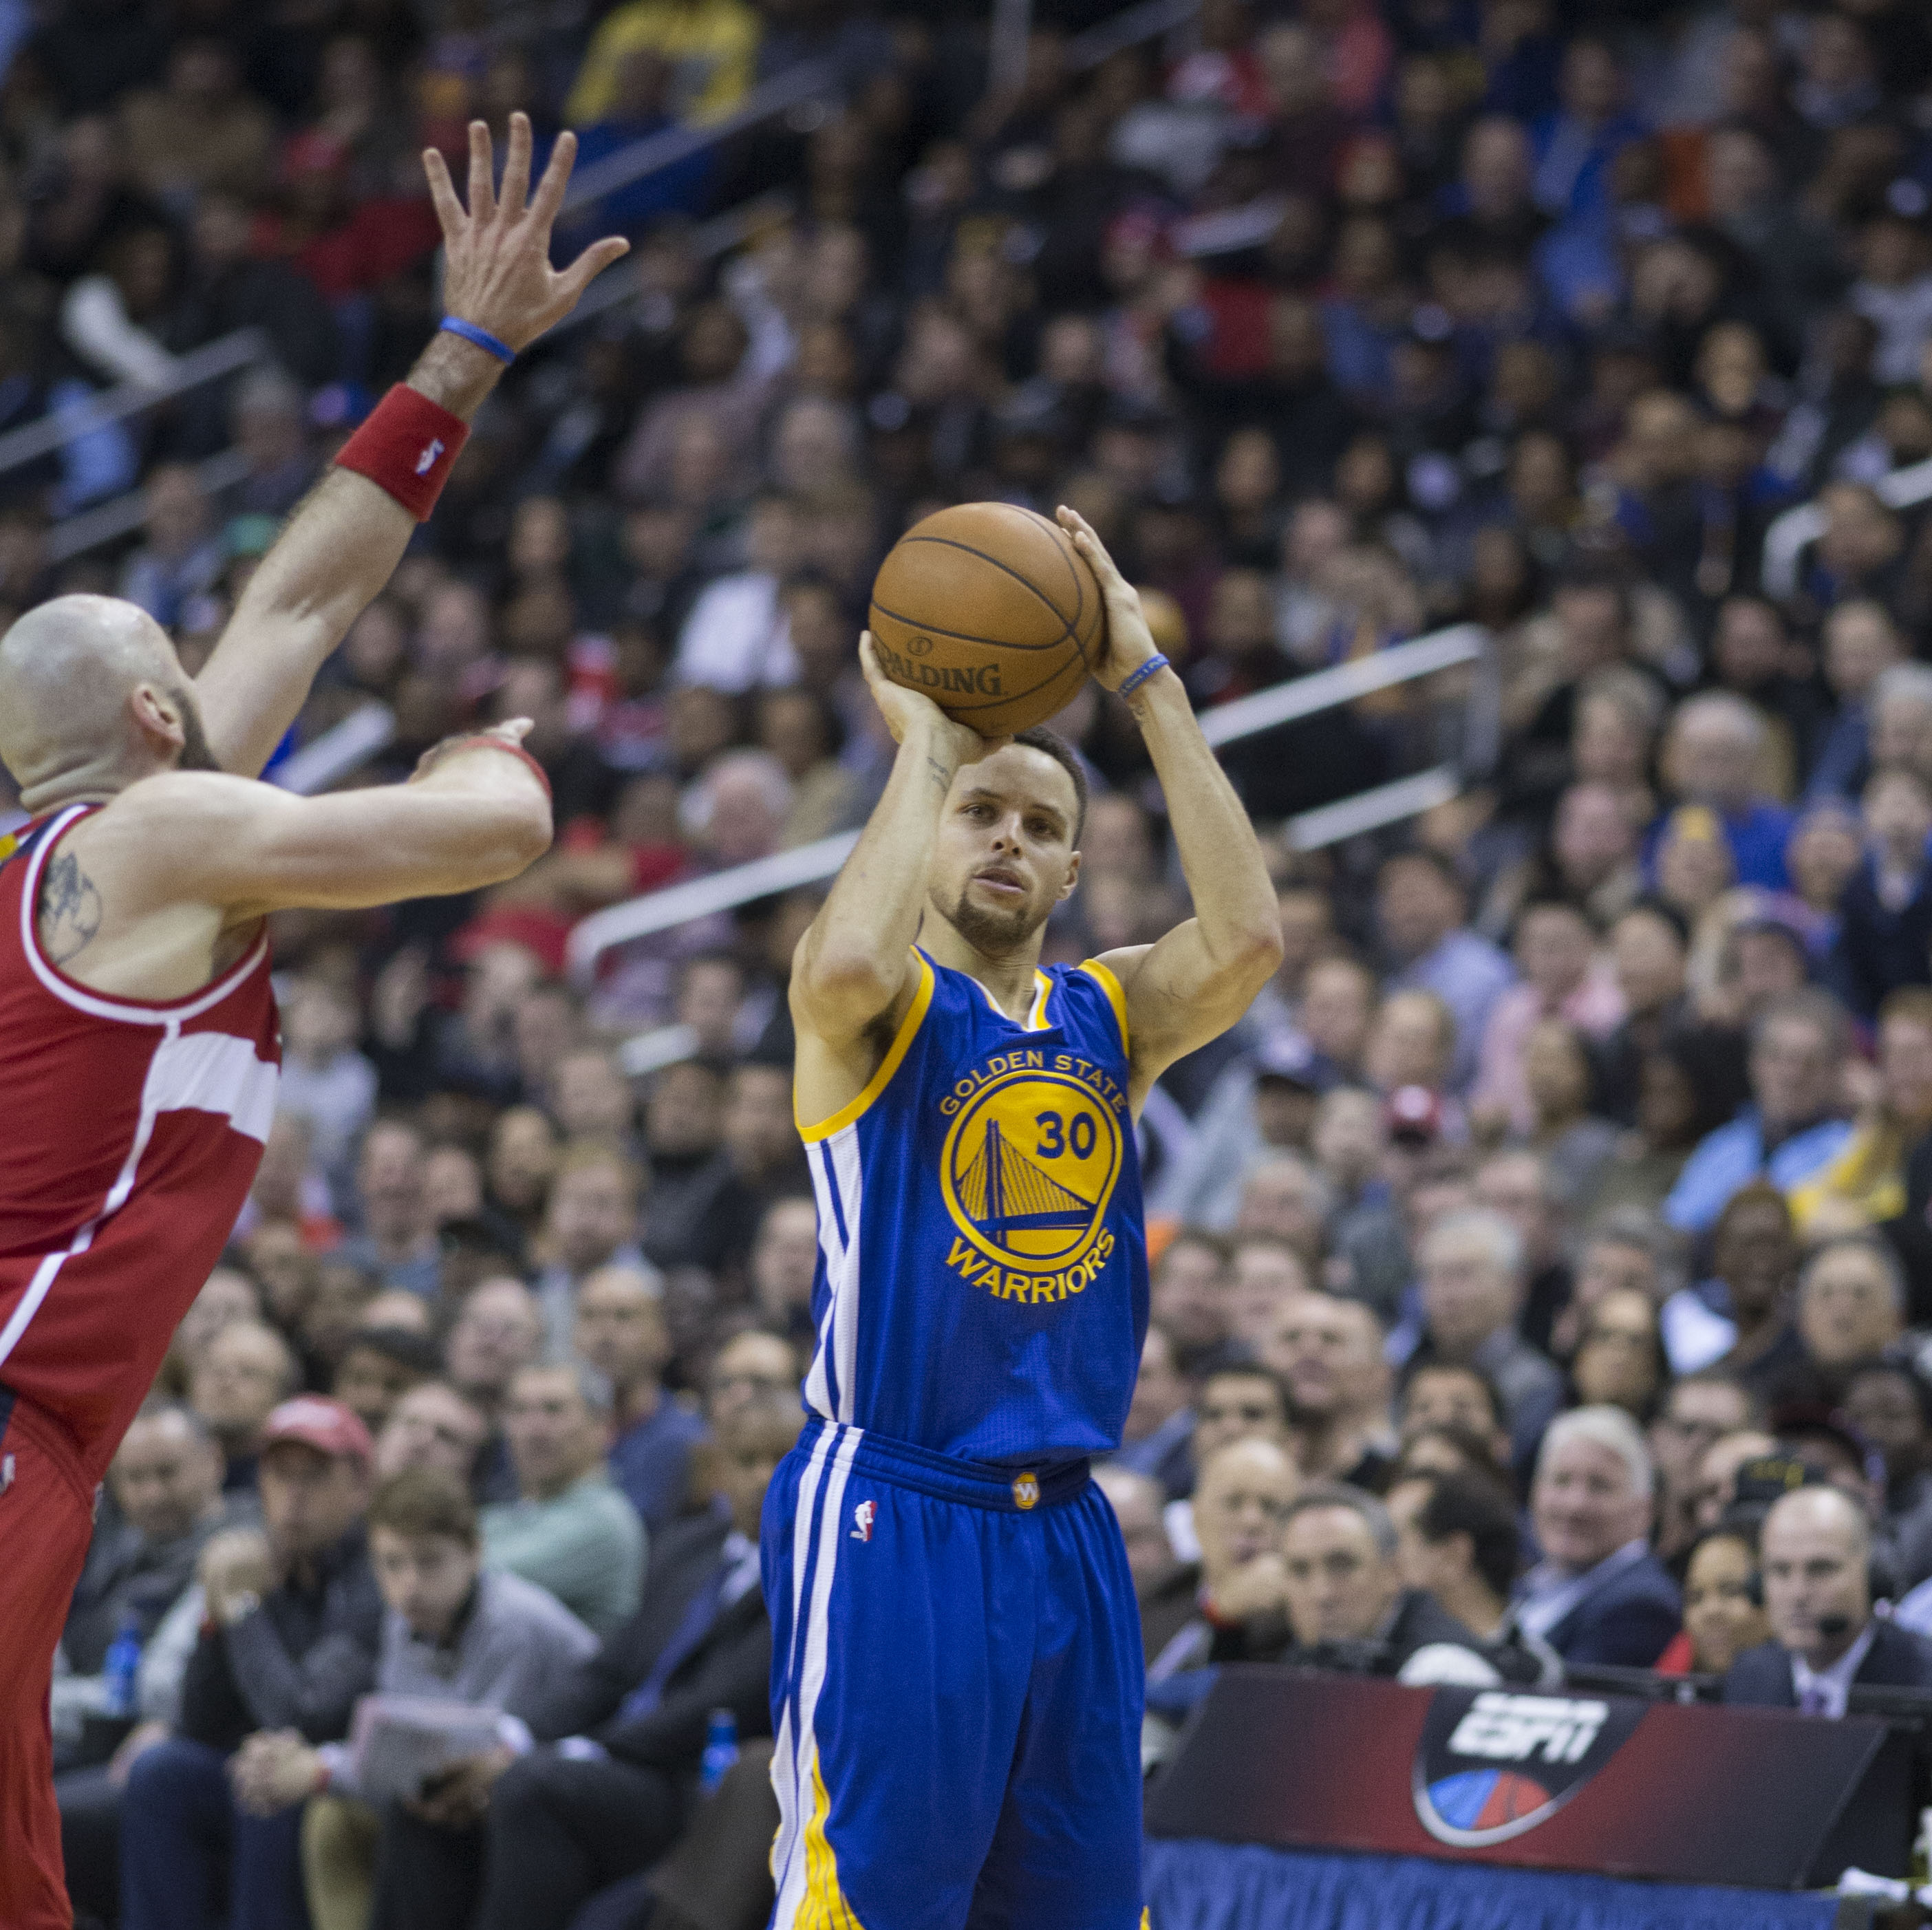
{"points": [[982, 1284]]}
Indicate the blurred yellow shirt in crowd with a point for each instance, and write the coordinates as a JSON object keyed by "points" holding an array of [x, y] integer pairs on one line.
{"points": [[1869, 1175], [710, 46]]}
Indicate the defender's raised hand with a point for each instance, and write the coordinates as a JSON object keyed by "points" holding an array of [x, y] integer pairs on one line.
{"points": [[498, 274]]}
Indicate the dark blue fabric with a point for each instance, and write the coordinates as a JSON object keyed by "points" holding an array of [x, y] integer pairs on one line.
{"points": [[1198, 1886], [181, 1832], [652, 1462], [1627, 1623], [685, 1640]]}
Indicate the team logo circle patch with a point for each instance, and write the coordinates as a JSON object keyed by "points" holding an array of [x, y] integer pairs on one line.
{"points": [[1028, 1167]]}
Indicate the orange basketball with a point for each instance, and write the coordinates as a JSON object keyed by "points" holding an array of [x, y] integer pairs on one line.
{"points": [[990, 610]]}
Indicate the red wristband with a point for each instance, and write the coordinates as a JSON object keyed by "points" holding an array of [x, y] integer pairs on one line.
{"points": [[450, 746], [406, 447]]}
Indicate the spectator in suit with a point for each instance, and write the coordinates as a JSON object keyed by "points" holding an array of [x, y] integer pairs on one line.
{"points": [[1599, 1595], [1347, 1604], [1816, 1552], [522, 1842], [290, 1640], [1472, 1297], [570, 1530], [1457, 1538]]}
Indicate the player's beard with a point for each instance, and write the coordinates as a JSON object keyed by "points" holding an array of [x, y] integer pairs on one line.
{"points": [[195, 753], [991, 933]]}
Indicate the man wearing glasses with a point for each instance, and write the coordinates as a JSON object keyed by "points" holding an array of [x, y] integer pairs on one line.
{"points": [[1698, 1411]]}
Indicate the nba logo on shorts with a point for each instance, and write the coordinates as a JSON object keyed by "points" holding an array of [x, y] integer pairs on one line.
{"points": [[1026, 1491], [863, 1515]]}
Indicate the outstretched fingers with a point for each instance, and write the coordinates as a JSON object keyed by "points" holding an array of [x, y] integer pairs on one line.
{"points": [[591, 263], [482, 193], [556, 178], [516, 169], [449, 213]]}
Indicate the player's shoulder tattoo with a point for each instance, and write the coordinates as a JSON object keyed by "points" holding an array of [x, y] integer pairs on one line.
{"points": [[70, 908]]}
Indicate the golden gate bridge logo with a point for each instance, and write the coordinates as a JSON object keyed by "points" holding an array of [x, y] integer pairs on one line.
{"points": [[1003, 1191], [1028, 1167]]}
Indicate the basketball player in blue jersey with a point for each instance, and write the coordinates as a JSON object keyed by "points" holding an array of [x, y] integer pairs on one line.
{"points": [[956, 1673]]}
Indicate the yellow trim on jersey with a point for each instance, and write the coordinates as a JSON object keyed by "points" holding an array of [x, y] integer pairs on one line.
{"points": [[1103, 977], [1036, 1017], [901, 1042], [823, 1907]]}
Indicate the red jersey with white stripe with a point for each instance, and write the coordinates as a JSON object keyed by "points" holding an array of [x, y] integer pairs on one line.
{"points": [[133, 1131]]}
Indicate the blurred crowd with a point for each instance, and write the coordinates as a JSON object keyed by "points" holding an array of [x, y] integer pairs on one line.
{"points": [[1544, 1275]]}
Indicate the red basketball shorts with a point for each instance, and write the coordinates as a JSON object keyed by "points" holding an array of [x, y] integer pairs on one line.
{"points": [[47, 1516]]}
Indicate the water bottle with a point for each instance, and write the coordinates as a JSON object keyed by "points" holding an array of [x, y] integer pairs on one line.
{"points": [[721, 1749], [120, 1670]]}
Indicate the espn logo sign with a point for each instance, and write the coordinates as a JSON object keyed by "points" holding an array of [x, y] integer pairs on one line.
{"points": [[1491, 1763], [1503, 1728]]}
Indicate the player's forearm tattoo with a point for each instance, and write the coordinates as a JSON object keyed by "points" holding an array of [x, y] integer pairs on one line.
{"points": [[941, 776], [70, 908]]}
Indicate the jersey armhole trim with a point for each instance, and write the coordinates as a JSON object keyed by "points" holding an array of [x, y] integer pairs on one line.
{"points": [[901, 1043], [1103, 977]]}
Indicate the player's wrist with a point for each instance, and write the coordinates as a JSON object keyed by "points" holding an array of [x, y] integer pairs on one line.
{"points": [[456, 373], [935, 735], [439, 755], [1148, 682], [408, 444]]}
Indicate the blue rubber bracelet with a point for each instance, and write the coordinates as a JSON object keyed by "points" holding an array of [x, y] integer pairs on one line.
{"points": [[1131, 684], [482, 337]]}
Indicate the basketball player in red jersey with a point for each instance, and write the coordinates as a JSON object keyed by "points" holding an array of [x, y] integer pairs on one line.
{"points": [[139, 1051]]}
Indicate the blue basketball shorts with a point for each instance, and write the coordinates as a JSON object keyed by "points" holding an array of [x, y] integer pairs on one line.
{"points": [[956, 1693]]}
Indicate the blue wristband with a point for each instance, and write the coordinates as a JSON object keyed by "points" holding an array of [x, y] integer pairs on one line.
{"points": [[482, 337], [1130, 684]]}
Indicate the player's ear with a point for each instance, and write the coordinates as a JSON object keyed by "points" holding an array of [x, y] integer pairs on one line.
{"points": [[157, 716], [1072, 878]]}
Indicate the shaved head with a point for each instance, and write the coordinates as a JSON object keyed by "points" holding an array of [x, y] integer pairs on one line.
{"points": [[91, 696]]}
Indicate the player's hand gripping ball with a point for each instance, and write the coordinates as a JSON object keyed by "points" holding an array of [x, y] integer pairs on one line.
{"points": [[990, 610]]}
